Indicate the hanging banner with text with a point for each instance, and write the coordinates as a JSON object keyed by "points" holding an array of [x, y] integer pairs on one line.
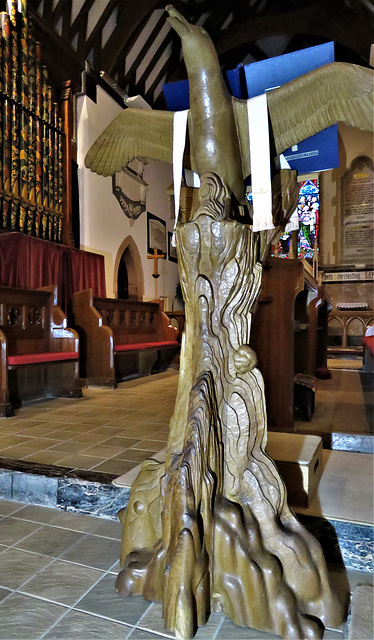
{"points": [[348, 276]]}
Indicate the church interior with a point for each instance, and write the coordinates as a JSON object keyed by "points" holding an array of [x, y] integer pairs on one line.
{"points": [[92, 316]]}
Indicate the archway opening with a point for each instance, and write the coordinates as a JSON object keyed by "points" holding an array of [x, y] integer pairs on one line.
{"points": [[123, 278], [128, 272]]}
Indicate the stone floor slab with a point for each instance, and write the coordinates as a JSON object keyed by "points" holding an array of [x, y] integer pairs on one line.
{"points": [[25, 618]]}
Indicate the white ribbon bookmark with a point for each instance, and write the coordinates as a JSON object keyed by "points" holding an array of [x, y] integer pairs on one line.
{"points": [[258, 128], [179, 142], [293, 223]]}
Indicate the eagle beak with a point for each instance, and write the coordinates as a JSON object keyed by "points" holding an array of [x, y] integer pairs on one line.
{"points": [[177, 21]]}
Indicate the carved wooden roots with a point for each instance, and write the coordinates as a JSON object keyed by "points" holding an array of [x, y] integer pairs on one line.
{"points": [[210, 529]]}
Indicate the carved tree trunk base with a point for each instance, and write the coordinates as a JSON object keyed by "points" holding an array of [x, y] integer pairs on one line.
{"points": [[210, 529]]}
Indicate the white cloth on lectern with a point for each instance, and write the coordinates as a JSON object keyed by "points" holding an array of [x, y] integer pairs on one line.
{"points": [[259, 145], [179, 142], [293, 222]]}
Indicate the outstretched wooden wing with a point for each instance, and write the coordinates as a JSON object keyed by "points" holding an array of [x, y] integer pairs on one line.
{"points": [[336, 92], [133, 133]]}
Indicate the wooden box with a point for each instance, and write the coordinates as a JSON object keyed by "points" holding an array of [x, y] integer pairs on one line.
{"points": [[298, 458]]}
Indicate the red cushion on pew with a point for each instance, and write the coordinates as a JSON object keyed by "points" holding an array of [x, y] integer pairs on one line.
{"points": [[139, 346], [368, 342], [36, 358]]}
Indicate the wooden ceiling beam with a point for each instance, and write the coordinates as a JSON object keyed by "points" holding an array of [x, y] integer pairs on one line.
{"points": [[47, 11], [66, 20], [160, 101], [296, 43], [328, 20], [82, 31], [131, 18], [99, 26], [56, 13], [81, 20], [216, 19], [232, 58], [143, 51], [142, 81], [257, 52], [241, 10], [149, 96]]}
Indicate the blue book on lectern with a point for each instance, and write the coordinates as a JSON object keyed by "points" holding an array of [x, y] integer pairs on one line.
{"points": [[317, 153], [177, 95]]}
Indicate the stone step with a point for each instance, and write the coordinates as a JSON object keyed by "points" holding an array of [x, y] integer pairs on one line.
{"points": [[297, 457], [361, 622], [339, 516]]}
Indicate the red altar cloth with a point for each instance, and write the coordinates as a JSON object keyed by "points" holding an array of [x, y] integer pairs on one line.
{"points": [[30, 263]]}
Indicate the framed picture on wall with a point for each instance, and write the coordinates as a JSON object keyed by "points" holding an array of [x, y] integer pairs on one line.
{"points": [[156, 234], [172, 251]]}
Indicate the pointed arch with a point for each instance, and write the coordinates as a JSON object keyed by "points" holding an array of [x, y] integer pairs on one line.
{"points": [[355, 330], [335, 332], [131, 255]]}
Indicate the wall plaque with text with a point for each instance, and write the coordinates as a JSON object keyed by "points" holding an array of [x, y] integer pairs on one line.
{"points": [[357, 212]]}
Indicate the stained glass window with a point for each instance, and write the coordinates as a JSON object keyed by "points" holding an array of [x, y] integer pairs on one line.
{"points": [[308, 214]]}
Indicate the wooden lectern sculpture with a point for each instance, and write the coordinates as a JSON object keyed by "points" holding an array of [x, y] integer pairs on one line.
{"points": [[210, 529]]}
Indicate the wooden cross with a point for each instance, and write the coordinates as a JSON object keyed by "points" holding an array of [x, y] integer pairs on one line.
{"points": [[156, 256]]}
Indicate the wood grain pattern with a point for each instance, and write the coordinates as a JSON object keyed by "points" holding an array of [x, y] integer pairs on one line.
{"points": [[105, 323], [210, 529]]}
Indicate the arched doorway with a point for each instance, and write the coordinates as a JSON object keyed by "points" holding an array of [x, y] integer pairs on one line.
{"points": [[128, 272], [123, 278]]}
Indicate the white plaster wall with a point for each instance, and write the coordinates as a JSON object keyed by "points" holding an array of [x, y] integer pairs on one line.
{"points": [[352, 143], [103, 224]]}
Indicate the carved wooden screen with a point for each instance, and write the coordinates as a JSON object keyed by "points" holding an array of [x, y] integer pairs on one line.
{"points": [[32, 135]]}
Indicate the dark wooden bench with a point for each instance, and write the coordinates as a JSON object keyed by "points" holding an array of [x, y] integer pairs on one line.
{"points": [[39, 354], [305, 388], [177, 319], [289, 336], [122, 339]]}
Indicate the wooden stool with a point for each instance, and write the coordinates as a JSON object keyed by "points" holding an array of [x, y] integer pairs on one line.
{"points": [[298, 458]]}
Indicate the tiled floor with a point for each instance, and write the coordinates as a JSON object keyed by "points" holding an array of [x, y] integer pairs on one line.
{"points": [[57, 579], [57, 569], [108, 430], [345, 490], [344, 404], [113, 430]]}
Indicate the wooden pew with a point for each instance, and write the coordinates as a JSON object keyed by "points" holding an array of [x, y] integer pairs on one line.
{"points": [[39, 355], [289, 335], [273, 337], [122, 339], [179, 318]]}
